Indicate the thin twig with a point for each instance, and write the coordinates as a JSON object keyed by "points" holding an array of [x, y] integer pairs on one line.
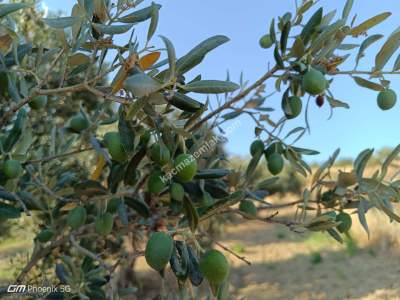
{"points": [[89, 253], [52, 157], [242, 258], [237, 98]]}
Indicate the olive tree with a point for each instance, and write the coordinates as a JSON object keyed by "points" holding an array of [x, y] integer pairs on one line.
{"points": [[160, 172]]}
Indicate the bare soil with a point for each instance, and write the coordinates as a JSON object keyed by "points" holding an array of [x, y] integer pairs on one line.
{"points": [[286, 265]]}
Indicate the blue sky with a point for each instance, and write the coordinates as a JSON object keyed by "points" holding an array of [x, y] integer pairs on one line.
{"points": [[188, 22]]}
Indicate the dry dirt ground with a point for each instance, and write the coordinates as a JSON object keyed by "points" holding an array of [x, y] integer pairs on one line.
{"points": [[286, 265]]}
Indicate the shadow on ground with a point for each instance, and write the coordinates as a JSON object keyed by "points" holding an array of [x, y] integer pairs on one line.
{"points": [[288, 266]]}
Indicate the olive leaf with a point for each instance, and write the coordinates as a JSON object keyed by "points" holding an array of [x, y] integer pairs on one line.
{"points": [[265, 184], [16, 131], [278, 58], [211, 173], [89, 7], [231, 115], [61, 23], [298, 48], [334, 103], [333, 233], [9, 8], [148, 60], [368, 84], [392, 156], [285, 36], [122, 213], [346, 10], [326, 20], [139, 206], [365, 44], [8, 211], [13, 58], [100, 9], [306, 5], [272, 33], [311, 25], [364, 26], [154, 21], [141, 85], [304, 151], [171, 55], [197, 54], [387, 50], [185, 103], [362, 209], [7, 195], [211, 87], [89, 188], [139, 15], [253, 164], [396, 65], [326, 35], [191, 213], [78, 59], [126, 132], [361, 162], [112, 29]]}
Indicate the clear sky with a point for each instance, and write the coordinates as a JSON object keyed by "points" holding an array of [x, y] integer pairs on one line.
{"points": [[188, 22]]}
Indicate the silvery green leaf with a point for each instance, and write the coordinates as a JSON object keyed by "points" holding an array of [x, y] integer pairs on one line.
{"points": [[333, 233], [171, 55], [272, 33], [326, 20], [153, 22], [368, 84], [347, 46], [392, 156], [61, 23], [24, 143], [89, 7], [231, 115], [365, 44], [265, 184], [157, 99], [211, 87], [387, 50], [304, 151], [361, 162], [253, 164], [311, 25], [112, 29], [347, 9], [326, 165], [278, 58], [141, 85], [302, 131], [326, 35], [362, 209], [334, 103], [396, 65], [197, 54], [364, 26], [305, 6], [285, 36], [138, 16], [9, 8], [295, 164], [298, 48]]}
